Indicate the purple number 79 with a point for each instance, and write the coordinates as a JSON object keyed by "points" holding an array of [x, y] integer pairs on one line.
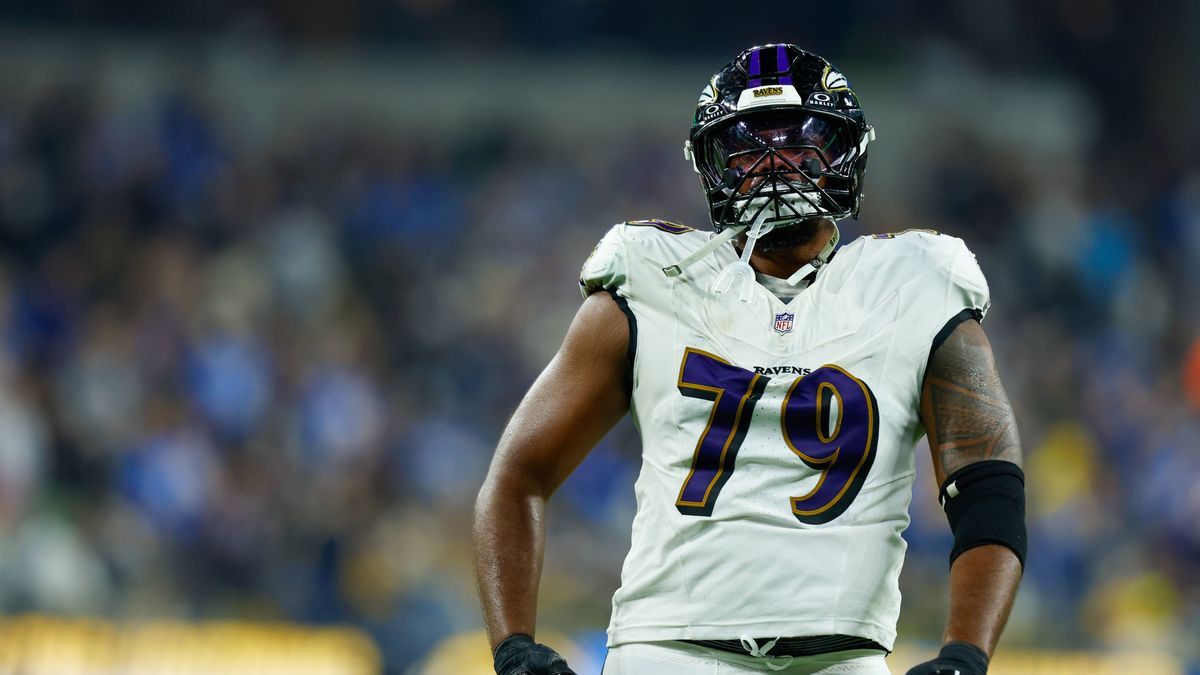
{"points": [[829, 419]]}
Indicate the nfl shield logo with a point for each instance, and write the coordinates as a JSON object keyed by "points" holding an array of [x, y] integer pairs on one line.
{"points": [[783, 322]]}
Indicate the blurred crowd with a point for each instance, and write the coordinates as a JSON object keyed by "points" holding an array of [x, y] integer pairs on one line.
{"points": [[265, 381]]}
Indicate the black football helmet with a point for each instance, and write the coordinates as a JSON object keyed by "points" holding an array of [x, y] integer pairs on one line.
{"points": [[779, 137]]}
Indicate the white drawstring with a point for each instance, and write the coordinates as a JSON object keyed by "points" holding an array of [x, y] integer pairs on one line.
{"points": [[751, 646]]}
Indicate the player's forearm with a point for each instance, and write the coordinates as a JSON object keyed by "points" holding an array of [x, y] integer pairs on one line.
{"points": [[983, 583], [572, 404], [508, 542]]}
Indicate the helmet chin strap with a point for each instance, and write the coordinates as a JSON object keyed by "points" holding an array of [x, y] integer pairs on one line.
{"points": [[712, 245], [819, 261], [740, 268]]}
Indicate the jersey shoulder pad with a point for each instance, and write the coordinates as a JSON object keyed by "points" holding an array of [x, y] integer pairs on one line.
{"points": [[605, 268], [636, 244], [941, 262]]}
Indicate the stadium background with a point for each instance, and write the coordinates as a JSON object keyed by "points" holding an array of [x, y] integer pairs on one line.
{"points": [[272, 278]]}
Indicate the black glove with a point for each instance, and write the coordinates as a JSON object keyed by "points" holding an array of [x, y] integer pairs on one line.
{"points": [[956, 658], [520, 655]]}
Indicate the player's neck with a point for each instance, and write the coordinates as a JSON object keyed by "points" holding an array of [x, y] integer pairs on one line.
{"points": [[783, 261]]}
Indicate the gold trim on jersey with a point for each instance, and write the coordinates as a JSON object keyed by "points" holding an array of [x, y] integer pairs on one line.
{"points": [[737, 418], [837, 427], [828, 461], [661, 225]]}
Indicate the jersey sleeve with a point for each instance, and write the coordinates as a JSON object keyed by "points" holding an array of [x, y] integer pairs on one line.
{"points": [[607, 267], [966, 287], [958, 291], [942, 287]]}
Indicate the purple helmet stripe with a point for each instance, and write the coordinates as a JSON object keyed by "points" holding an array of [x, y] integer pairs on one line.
{"points": [[755, 68], [781, 60]]}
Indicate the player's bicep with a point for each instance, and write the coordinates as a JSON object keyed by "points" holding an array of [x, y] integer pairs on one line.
{"points": [[574, 402], [965, 410]]}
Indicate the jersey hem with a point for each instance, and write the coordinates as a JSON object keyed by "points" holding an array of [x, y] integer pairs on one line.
{"points": [[871, 631]]}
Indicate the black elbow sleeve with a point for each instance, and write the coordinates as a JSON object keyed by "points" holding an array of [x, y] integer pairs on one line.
{"points": [[985, 504]]}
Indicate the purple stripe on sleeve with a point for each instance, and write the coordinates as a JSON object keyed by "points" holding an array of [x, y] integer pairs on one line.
{"points": [[755, 68], [781, 59]]}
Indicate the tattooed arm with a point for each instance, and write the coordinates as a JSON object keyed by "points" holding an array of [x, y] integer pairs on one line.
{"points": [[968, 419]]}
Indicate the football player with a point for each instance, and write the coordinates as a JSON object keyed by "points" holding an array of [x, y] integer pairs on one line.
{"points": [[779, 385]]}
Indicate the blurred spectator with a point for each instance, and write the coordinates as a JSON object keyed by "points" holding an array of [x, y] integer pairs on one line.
{"points": [[261, 373]]}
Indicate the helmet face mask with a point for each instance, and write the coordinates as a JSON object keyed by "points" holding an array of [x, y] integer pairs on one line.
{"points": [[779, 166], [779, 138]]}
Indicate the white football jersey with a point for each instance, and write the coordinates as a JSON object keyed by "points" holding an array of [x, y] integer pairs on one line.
{"points": [[777, 438]]}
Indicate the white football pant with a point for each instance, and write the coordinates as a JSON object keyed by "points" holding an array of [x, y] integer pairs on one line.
{"points": [[681, 658]]}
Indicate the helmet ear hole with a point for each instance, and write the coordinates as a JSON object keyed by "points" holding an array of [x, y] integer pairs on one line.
{"points": [[856, 179]]}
